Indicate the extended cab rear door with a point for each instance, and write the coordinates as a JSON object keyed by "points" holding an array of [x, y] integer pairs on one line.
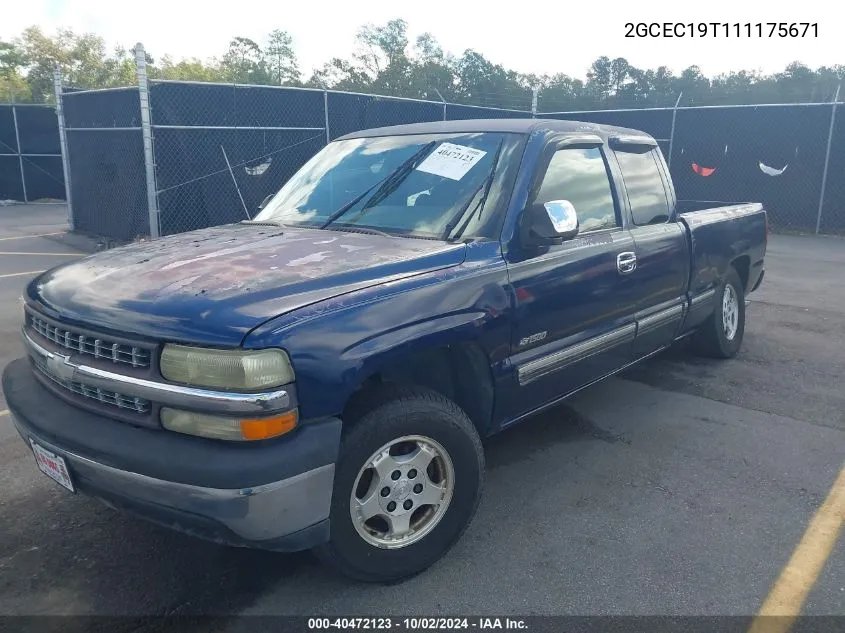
{"points": [[660, 269]]}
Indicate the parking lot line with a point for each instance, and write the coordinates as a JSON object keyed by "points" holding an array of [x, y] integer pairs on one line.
{"points": [[45, 254], [787, 596], [4, 412], [23, 237], [31, 272]]}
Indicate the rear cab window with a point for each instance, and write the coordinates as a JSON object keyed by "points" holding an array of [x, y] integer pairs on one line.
{"points": [[644, 186]]}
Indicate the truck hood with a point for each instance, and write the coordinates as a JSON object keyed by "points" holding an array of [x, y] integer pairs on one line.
{"points": [[214, 285]]}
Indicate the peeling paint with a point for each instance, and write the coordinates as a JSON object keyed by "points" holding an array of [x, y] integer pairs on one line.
{"points": [[313, 258], [233, 276]]}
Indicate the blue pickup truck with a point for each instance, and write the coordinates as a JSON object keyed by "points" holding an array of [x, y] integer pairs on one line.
{"points": [[321, 376]]}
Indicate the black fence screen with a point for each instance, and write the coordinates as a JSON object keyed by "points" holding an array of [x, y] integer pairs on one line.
{"points": [[833, 211], [218, 150], [352, 112], [221, 149], [106, 159], [30, 154], [210, 177], [774, 154]]}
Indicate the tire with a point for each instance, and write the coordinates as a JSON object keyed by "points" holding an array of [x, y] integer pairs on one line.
{"points": [[721, 336], [391, 414]]}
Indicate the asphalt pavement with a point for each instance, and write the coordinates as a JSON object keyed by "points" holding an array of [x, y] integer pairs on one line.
{"points": [[681, 487]]}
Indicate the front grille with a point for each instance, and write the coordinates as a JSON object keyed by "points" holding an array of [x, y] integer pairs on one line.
{"points": [[132, 403], [92, 346]]}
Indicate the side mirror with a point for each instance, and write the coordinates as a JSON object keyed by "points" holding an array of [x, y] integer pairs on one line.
{"points": [[551, 222], [265, 201]]}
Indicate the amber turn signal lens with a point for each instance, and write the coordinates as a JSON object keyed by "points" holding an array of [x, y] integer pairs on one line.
{"points": [[265, 428]]}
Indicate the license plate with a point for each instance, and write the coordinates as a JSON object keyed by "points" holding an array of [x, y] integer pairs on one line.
{"points": [[52, 465]]}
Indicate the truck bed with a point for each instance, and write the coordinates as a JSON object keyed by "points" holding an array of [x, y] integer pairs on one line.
{"points": [[714, 242]]}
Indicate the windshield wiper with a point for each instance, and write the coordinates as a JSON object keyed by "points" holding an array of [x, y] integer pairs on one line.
{"points": [[395, 179], [264, 223], [485, 186], [385, 186], [352, 228]]}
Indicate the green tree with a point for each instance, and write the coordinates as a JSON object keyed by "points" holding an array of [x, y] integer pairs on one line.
{"points": [[481, 82], [561, 92], [693, 86], [620, 71], [281, 58], [340, 74], [244, 62], [13, 86], [382, 56], [188, 70], [741, 87], [599, 80], [432, 74], [383, 62]]}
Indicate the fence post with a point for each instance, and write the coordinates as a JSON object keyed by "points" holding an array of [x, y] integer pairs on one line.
{"points": [[444, 103], [20, 149], [147, 137], [827, 158], [326, 111], [535, 92], [60, 116], [672, 132]]}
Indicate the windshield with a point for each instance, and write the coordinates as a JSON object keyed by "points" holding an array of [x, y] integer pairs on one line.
{"points": [[422, 185]]}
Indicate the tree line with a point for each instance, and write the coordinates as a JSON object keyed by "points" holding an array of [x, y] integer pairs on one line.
{"points": [[386, 62]]}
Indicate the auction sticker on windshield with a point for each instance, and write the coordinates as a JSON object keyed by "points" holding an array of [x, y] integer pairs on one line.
{"points": [[52, 465], [451, 161]]}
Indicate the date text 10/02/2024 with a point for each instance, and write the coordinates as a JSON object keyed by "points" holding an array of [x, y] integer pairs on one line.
{"points": [[416, 624], [722, 29]]}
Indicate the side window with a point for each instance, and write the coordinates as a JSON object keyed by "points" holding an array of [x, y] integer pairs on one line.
{"points": [[580, 176], [646, 193]]}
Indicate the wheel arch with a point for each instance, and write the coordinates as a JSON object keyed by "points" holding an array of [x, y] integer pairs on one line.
{"points": [[742, 265], [459, 370]]}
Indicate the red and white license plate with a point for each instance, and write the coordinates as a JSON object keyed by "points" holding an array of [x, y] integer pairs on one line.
{"points": [[52, 465]]}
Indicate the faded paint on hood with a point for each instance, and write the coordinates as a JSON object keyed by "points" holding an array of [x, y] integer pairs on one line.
{"points": [[214, 285]]}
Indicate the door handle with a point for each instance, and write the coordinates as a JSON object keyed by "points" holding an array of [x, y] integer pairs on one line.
{"points": [[626, 262]]}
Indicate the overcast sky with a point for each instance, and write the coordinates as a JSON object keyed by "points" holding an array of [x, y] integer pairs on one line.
{"points": [[529, 36]]}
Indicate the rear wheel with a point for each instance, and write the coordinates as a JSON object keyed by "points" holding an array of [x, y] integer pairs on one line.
{"points": [[721, 335], [407, 483]]}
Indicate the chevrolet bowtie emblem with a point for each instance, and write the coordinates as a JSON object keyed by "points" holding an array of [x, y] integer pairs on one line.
{"points": [[59, 366]]}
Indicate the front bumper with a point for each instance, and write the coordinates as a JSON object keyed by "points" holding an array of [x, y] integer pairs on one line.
{"points": [[275, 495]]}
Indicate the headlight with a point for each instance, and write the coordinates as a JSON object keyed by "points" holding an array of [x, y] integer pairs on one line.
{"points": [[244, 370], [223, 428]]}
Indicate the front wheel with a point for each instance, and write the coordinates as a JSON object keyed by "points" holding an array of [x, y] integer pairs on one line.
{"points": [[721, 335], [407, 483]]}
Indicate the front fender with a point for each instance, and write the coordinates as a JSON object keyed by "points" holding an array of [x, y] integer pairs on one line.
{"points": [[337, 344]]}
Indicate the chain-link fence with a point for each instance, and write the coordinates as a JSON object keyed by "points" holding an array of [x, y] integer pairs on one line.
{"points": [[790, 157], [171, 156], [30, 156], [221, 149], [104, 151]]}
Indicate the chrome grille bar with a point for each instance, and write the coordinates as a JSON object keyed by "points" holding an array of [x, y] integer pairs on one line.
{"points": [[99, 348], [139, 405], [168, 394]]}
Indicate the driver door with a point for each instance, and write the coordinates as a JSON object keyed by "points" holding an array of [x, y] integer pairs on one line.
{"points": [[574, 304]]}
